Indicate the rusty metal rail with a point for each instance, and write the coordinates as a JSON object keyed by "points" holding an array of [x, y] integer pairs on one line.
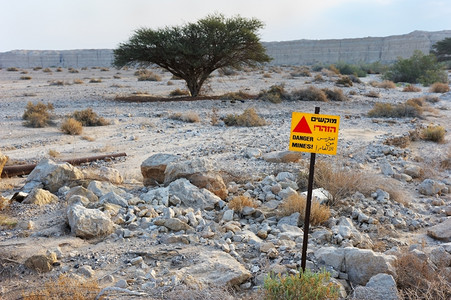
{"points": [[9, 171]]}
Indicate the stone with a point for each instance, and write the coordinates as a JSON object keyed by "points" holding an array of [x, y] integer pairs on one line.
{"points": [[386, 168], [153, 168], [112, 198], [192, 196], [106, 174], [78, 199], [228, 215], [100, 188], [430, 187], [41, 263], [86, 271], [290, 220], [161, 195], [3, 160], [320, 195], [282, 156], [88, 223], [413, 170], [440, 257], [54, 175], [216, 268], [252, 153], [40, 197], [287, 192], [200, 172], [173, 224], [331, 256], [81, 191], [379, 287], [266, 247], [441, 231], [362, 264]]}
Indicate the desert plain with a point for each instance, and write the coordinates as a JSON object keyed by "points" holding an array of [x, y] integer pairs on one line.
{"points": [[240, 154]]}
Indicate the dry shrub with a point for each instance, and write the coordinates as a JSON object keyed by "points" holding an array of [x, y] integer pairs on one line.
{"points": [[78, 81], [296, 203], [439, 87], [214, 116], [237, 96], [104, 69], [335, 94], [239, 202], [54, 153], [373, 94], [58, 83], [431, 99], [190, 117], [147, 75], [386, 84], [267, 75], [387, 110], [318, 78], [71, 126], [249, 118], [301, 72], [12, 69], [309, 94], [417, 280], [88, 117], [37, 115], [275, 94], [7, 222], [47, 70], [88, 138], [95, 80], [65, 288], [72, 70], [178, 92], [25, 77], [446, 162], [37, 68], [433, 133], [344, 81], [411, 89], [398, 141]]}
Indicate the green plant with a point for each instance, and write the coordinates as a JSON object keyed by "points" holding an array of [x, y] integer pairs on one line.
{"points": [[88, 117], [442, 49], [309, 94], [419, 68], [433, 133], [71, 126], [335, 94], [37, 115], [307, 286], [439, 87], [249, 118], [195, 50], [349, 69], [178, 92], [7, 222]]}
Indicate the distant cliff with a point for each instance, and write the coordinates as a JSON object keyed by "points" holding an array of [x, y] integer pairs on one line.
{"points": [[300, 52]]}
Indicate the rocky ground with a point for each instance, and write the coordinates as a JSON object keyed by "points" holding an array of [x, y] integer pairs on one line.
{"points": [[152, 241]]}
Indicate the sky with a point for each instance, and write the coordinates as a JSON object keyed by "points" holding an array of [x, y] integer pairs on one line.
{"points": [[100, 24]]}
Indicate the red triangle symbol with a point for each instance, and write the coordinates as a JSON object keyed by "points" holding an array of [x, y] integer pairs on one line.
{"points": [[302, 126]]}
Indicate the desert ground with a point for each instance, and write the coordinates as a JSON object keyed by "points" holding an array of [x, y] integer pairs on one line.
{"points": [[141, 129]]}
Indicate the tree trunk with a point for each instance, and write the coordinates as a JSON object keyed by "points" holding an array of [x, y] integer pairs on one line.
{"points": [[194, 87]]}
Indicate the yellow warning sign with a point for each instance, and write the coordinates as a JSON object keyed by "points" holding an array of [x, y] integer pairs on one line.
{"points": [[314, 133]]}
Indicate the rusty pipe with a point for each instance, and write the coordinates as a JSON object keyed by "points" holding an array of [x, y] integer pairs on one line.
{"points": [[9, 171]]}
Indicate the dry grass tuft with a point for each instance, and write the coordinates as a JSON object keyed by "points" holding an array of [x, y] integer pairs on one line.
{"points": [[47, 70], [249, 118], [12, 69], [78, 81], [54, 153], [239, 202], [147, 75], [88, 138], [387, 110], [71, 126], [275, 94], [296, 203], [25, 77], [373, 94], [95, 80], [190, 117], [65, 288], [417, 280], [88, 117], [37, 115], [179, 92], [344, 81], [386, 84], [434, 133], [214, 116], [237, 96], [411, 89], [335, 95], [309, 94], [439, 87]]}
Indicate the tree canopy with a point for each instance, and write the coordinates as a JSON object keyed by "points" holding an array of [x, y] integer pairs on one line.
{"points": [[442, 49], [193, 51]]}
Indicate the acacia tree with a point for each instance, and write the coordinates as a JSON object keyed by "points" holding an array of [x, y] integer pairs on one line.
{"points": [[193, 51], [442, 49]]}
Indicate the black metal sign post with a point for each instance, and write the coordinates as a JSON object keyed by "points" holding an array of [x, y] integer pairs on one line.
{"points": [[308, 206]]}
